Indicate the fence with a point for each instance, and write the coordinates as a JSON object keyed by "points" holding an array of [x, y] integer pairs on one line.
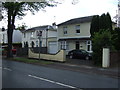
{"points": [[43, 50], [114, 58], [24, 51]]}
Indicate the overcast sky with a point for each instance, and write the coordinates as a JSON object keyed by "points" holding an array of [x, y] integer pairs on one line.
{"points": [[66, 11]]}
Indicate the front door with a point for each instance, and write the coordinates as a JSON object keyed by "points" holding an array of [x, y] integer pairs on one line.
{"points": [[77, 45]]}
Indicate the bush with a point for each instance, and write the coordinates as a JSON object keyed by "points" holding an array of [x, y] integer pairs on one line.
{"points": [[101, 39]]}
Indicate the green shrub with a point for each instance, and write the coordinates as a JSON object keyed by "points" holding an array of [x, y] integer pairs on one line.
{"points": [[101, 39]]}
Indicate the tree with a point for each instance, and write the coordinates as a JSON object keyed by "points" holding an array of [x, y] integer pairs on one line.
{"points": [[102, 22], [109, 22], [94, 25], [18, 9]]}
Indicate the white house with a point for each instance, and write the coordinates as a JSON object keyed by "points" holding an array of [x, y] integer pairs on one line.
{"points": [[17, 36], [75, 34], [48, 38]]}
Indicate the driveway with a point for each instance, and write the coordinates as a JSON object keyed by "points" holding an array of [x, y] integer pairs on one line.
{"points": [[79, 62]]}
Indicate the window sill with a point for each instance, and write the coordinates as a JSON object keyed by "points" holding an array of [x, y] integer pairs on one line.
{"points": [[77, 33]]}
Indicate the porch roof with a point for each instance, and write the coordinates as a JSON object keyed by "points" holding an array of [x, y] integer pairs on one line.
{"points": [[81, 38]]}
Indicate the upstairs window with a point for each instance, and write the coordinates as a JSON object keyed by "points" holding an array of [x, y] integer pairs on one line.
{"points": [[32, 34], [65, 30], [77, 28], [24, 35]]}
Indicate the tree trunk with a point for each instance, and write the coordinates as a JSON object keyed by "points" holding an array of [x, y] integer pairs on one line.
{"points": [[9, 34]]}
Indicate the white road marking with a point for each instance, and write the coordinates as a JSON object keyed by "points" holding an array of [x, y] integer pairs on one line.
{"points": [[44, 79], [5, 68]]}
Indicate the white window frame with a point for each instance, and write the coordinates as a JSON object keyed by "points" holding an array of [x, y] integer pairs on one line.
{"points": [[77, 27], [64, 45], [32, 34], [37, 43], [65, 30], [24, 35], [89, 44]]}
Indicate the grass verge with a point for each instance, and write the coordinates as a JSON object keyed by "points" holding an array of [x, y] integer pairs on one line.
{"points": [[34, 61]]}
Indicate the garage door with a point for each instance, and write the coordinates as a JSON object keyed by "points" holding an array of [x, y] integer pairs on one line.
{"points": [[52, 47]]}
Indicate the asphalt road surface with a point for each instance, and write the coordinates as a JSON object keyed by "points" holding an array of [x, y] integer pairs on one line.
{"points": [[21, 75]]}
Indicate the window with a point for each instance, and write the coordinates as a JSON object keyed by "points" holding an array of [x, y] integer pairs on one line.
{"points": [[65, 30], [24, 35], [77, 28], [64, 45], [24, 44], [36, 43], [89, 46], [32, 34]]}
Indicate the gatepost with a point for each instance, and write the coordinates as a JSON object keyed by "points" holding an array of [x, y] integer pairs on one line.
{"points": [[106, 58]]}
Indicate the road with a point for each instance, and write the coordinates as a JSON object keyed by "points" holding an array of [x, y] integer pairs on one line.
{"points": [[22, 75]]}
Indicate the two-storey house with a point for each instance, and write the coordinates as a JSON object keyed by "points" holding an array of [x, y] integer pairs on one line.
{"points": [[17, 36], [48, 38], [75, 34]]}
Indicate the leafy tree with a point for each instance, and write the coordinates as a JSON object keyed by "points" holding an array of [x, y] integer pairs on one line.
{"points": [[18, 9], [22, 27]]}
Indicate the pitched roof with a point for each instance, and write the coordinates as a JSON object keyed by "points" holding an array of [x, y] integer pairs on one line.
{"points": [[40, 28], [77, 20]]}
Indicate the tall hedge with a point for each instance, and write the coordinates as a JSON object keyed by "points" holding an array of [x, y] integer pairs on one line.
{"points": [[116, 38], [101, 22]]}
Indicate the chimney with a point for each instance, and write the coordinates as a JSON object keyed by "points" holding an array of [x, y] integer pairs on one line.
{"points": [[54, 25]]}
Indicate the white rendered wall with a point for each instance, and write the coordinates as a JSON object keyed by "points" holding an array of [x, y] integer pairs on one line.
{"points": [[106, 58]]}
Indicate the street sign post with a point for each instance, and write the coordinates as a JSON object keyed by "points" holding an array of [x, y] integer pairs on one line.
{"points": [[39, 34]]}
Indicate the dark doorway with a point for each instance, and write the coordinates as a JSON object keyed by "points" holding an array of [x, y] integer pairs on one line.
{"points": [[77, 45]]}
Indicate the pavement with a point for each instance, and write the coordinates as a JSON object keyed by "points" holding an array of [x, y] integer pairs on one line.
{"points": [[85, 67]]}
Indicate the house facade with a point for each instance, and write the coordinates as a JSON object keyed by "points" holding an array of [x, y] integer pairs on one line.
{"points": [[75, 34], [17, 36], [48, 38]]}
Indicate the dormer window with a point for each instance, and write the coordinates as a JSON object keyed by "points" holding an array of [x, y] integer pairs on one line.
{"points": [[77, 28], [65, 30]]}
